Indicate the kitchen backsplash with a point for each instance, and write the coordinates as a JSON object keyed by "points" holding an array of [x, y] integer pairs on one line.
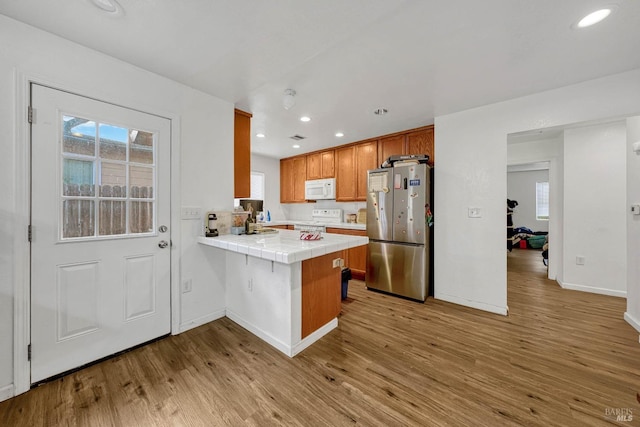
{"points": [[302, 211]]}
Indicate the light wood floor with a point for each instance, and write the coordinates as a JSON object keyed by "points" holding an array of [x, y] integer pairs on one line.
{"points": [[560, 358]]}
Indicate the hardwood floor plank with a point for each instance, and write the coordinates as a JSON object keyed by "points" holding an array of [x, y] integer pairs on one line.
{"points": [[561, 358]]}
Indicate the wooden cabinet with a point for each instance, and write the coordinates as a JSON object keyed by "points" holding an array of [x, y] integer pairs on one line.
{"points": [[354, 258], [321, 292], [293, 172], [321, 165], [299, 177], [421, 142], [281, 227], [391, 146], [366, 159], [286, 180], [345, 174], [242, 154], [349, 164], [352, 164]]}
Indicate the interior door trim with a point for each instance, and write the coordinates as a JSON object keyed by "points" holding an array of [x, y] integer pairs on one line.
{"points": [[22, 209]]}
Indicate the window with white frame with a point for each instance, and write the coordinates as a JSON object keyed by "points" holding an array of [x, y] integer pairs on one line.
{"points": [[542, 201], [257, 188]]}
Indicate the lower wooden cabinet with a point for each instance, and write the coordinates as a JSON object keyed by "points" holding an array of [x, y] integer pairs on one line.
{"points": [[321, 292], [281, 227], [354, 258]]}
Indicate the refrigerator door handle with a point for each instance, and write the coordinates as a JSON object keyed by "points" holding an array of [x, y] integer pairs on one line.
{"points": [[405, 183]]}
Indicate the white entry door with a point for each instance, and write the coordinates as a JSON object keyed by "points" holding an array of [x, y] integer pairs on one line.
{"points": [[100, 250]]}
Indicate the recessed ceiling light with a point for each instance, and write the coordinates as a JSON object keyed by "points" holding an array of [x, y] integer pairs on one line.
{"points": [[380, 111], [296, 146], [339, 134], [112, 7], [595, 17], [305, 119], [260, 135]]}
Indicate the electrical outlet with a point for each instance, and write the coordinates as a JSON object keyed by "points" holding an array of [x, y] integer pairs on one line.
{"points": [[186, 285], [191, 212], [338, 263], [475, 213], [579, 260]]}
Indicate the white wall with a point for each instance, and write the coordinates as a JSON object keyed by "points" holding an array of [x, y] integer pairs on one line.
{"points": [[521, 187], [633, 224], [471, 148], [595, 208], [202, 129]]}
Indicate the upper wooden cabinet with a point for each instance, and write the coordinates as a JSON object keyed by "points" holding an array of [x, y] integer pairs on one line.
{"points": [[321, 165], [345, 173], [391, 146], [421, 142], [242, 154], [299, 177], [418, 141], [349, 164], [366, 159], [293, 173], [286, 180]]}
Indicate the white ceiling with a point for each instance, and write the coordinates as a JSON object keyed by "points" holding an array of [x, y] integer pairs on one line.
{"points": [[417, 58]]}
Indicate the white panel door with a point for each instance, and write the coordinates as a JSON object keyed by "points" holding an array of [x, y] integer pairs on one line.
{"points": [[100, 211]]}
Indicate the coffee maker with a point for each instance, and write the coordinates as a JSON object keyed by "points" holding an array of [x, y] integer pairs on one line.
{"points": [[212, 225]]}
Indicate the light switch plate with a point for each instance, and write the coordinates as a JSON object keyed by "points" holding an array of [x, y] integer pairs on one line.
{"points": [[191, 212]]}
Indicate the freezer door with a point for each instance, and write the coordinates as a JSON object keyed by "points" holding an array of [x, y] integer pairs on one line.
{"points": [[399, 269], [410, 196], [379, 204]]}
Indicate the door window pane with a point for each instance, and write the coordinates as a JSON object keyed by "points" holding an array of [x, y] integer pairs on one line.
{"points": [[77, 177], [141, 214], [113, 214], [113, 142], [78, 218], [78, 136], [141, 179], [141, 147], [113, 180]]}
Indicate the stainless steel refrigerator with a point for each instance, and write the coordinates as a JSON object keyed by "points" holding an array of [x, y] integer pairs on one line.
{"points": [[398, 216]]}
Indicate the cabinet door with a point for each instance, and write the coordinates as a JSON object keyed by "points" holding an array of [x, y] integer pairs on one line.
{"points": [[242, 155], [366, 159], [354, 258], [299, 177], [421, 142], [391, 146], [345, 174], [328, 169], [286, 181], [314, 166], [320, 292]]}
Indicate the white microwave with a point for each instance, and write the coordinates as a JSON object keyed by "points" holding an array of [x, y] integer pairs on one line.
{"points": [[320, 189]]}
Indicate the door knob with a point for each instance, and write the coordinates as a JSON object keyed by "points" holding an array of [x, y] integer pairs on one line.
{"points": [[163, 244]]}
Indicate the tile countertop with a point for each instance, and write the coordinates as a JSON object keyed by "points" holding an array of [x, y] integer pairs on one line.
{"points": [[285, 246], [347, 225]]}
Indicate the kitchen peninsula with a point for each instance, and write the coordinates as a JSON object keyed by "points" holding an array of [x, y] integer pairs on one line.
{"points": [[282, 289]]}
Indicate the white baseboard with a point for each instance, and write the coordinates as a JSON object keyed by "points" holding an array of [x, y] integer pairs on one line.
{"points": [[6, 392], [473, 304], [592, 289], [632, 321], [315, 336], [201, 320], [264, 336]]}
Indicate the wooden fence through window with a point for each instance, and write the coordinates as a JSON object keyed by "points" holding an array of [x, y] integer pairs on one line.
{"points": [[79, 214]]}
